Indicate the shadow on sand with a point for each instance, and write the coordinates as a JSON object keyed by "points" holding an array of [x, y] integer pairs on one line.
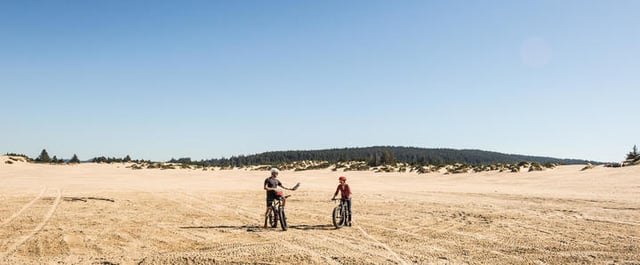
{"points": [[253, 228], [239, 227], [313, 227]]}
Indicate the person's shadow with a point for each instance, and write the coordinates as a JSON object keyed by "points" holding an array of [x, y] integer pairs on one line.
{"points": [[313, 227], [218, 227], [254, 228], [248, 228]]}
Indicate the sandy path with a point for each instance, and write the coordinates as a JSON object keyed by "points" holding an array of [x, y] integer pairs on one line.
{"points": [[560, 216], [25, 207]]}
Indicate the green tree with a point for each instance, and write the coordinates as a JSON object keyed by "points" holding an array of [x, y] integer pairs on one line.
{"points": [[374, 160], [127, 159], [44, 157], [388, 158], [633, 154], [74, 160]]}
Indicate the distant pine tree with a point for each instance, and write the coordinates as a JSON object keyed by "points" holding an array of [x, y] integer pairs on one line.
{"points": [[74, 160], [374, 160], [633, 154], [388, 158], [44, 157]]}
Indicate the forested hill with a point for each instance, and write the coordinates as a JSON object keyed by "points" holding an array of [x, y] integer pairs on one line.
{"points": [[385, 155]]}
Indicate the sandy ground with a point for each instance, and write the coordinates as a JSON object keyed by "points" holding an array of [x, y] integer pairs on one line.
{"points": [[152, 216]]}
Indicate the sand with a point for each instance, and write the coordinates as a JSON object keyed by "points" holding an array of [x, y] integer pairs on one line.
{"points": [[111, 214]]}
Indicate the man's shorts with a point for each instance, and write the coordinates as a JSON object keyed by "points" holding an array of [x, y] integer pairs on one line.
{"points": [[270, 199]]}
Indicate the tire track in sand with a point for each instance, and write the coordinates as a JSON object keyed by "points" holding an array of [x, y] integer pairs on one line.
{"points": [[245, 214], [360, 248], [13, 248], [212, 207], [382, 245], [367, 240], [25, 207]]}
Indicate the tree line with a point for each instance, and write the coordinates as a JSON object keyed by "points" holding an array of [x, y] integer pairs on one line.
{"points": [[44, 157], [382, 155], [372, 156]]}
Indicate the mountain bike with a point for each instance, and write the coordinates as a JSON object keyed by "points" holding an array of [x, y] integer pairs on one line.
{"points": [[341, 214], [276, 213]]}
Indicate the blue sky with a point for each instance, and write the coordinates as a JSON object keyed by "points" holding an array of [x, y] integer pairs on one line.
{"points": [[209, 79]]}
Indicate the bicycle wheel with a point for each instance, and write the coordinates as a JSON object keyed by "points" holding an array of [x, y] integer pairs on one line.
{"points": [[283, 220], [338, 217], [273, 218]]}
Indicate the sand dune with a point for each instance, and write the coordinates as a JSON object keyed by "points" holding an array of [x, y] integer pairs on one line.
{"points": [[110, 214]]}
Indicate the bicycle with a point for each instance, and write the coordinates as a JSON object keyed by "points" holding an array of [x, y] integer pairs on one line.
{"points": [[341, 214], [276, 213]]}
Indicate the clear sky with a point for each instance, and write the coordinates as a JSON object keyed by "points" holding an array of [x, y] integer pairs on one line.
{"points": [[209, 79]]}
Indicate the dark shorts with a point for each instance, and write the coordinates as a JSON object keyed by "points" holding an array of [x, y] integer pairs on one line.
{"points": [[270, 199]]}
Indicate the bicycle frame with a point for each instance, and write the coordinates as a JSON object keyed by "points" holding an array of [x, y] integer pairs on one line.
{"points": [[340, 214], [276, 213]]}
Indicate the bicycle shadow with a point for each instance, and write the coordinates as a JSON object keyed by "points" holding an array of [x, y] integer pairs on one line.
{"points": [[250, 228], [255, 228], [313, 227]]}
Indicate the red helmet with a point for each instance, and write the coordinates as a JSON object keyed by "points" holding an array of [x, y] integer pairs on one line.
{"points": [[342, 178]]}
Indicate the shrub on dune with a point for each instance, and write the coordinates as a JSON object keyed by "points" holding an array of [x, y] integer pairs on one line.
{"points": [[535, 166], [588, 166]]}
